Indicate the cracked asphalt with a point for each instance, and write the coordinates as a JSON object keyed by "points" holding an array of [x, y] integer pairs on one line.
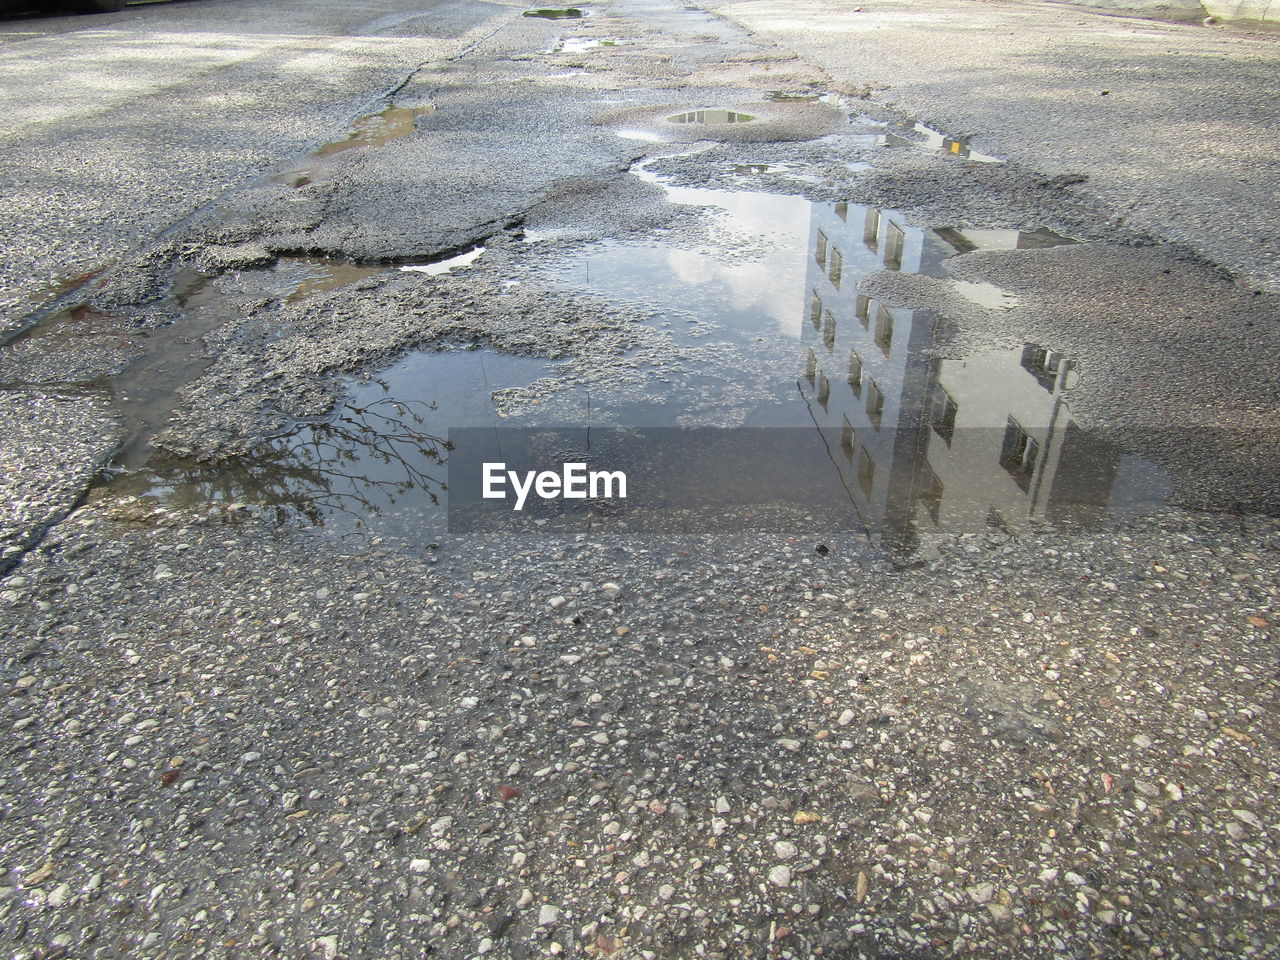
{"points": [[240, 730]]}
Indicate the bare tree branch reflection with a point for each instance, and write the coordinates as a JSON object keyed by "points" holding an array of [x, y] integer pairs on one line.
{"points": [[361, 463]]}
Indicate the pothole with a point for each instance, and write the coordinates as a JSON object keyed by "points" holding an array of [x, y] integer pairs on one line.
{"points": [[378, 464], [557, 13], [142, 369], [440, 267], [375, 130], [764, 310], [711, 117]]}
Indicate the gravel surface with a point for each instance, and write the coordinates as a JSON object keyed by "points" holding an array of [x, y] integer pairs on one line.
{"points": [[227, 739], [234, 737], [51, 448]]}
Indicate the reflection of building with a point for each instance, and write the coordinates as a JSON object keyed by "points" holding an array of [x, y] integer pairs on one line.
{"points": [[914, 134], [923, 443]]}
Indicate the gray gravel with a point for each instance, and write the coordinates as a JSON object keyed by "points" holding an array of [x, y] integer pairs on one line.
{"points": [[231, 737], [51, 448], [247, 742]]}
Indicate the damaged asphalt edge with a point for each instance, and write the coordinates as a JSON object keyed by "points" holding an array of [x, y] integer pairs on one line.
{"points": [[25, 547]]}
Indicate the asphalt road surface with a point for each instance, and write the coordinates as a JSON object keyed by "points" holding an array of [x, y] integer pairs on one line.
{"points": [[948, 629]]}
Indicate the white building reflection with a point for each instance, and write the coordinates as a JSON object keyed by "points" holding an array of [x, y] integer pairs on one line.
{"points": [[925, 444]]}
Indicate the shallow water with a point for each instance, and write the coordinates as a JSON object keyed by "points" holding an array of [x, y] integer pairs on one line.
{"points": [[911, 441]]}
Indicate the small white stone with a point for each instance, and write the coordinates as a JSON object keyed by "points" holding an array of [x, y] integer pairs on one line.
{"points": [[419, 866], [982, 892], [846, 718], [1245, 816], [785, 850], [780, 876], [548, 914], [611, 590]]}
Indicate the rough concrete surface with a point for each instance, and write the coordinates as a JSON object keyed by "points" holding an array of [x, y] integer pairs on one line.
{"points": [[1173, 127], [236, 731]]}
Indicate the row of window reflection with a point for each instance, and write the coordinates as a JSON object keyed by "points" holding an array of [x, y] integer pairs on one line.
{"points": [[824, 321], [830, 259], [1019, 452], [856, 381]]}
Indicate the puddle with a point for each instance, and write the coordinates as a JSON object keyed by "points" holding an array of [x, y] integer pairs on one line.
{"points": [[377, 130], [307, 276], [911, 133], [561, 13], [784, 339], [711, 117], [444, 266], [379, 463], [766, 313], [145, 368], [581, 45], [644, 136], [985, 294]]}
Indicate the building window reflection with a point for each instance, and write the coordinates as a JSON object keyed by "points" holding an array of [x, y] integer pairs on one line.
{"points": [[875, 404], [820, 250], [848, 440], [931, 495], [862, 309], [855, 372], [943, 414], [824, 390], [894, 243], [815, 310], [1044, 365], [884, 330], [811, 366], [1018, 454], [871, 231], [829, 331], [842, 210], [866, 472], [835, 266]]}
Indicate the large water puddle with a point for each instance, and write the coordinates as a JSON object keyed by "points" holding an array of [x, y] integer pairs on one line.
{"points": [[765, 311]]}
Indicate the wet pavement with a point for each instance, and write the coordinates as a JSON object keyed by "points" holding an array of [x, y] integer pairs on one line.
{"points": [[940, 624]]}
